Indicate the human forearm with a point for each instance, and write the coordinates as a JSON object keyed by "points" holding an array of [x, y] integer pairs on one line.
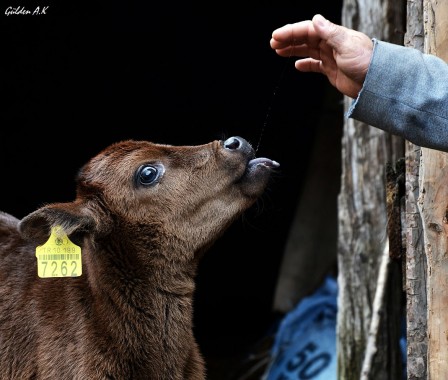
{"points": [[405, 93]]}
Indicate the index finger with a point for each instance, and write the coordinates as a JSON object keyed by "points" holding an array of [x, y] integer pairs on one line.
{"points": [[299, 33]]}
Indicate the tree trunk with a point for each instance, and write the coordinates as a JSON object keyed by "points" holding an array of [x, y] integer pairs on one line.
{"points": [[363, 220]]}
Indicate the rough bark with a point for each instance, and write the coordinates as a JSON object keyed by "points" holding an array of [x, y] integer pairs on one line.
{"points": [[363, 219], [415, 283], [415, 279]]}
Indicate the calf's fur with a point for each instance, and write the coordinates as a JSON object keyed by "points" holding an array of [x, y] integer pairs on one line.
{"points": [[129, 316]]}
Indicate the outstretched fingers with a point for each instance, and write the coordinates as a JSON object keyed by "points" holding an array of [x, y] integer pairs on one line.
{"points": [[342, 54]]}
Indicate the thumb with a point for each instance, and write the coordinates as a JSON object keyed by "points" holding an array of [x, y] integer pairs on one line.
{"points": [[334, 35]]}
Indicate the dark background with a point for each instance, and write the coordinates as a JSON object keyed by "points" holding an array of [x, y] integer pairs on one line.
{"points": [[86, 75]]}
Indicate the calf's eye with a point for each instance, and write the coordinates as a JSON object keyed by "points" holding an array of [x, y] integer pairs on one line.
{"points": [[148, 174]]}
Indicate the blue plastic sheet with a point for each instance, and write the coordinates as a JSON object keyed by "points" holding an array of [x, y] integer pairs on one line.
{"points": [[305, 344]]}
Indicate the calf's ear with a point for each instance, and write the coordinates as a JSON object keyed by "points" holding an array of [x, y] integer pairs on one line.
{"points": [[72, 217]]}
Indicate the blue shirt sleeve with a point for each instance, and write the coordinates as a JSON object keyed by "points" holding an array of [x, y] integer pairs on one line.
{"points": [[405, 93]]}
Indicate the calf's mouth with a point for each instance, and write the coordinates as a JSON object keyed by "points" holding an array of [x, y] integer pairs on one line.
{"points": [[258, 169]]}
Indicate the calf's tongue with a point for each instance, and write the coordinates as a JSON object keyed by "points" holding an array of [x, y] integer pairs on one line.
{"points": [[264, 162]]}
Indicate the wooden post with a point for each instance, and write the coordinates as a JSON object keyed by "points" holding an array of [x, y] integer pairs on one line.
{"points": [[415, 279], [363, 218], [433, 206], [433, 203]]}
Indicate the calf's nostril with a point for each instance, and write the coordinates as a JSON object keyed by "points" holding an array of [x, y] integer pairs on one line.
{"points": [[238, 144], [233, 143]]}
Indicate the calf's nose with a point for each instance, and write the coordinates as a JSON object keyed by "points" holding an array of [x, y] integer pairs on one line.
{"points": [[239, 144]]}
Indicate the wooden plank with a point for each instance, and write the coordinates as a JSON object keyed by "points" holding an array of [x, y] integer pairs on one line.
{"points": [[433, 205]]}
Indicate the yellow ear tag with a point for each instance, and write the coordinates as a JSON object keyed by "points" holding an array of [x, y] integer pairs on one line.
{"points": [[58, 257]]}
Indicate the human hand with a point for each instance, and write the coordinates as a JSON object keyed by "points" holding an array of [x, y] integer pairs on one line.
{"points": [[342, 54]]}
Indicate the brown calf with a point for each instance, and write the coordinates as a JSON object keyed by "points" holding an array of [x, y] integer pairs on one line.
{"points": [[143, 215]]}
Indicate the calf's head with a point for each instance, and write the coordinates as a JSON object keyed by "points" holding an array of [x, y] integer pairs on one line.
{"points": [[169, 198]]}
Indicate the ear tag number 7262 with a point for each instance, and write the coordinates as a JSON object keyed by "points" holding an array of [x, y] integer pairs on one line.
{"points": [[58, 257]]}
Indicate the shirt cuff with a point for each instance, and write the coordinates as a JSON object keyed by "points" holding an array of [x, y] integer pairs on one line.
{"points": [[355, 102]]}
